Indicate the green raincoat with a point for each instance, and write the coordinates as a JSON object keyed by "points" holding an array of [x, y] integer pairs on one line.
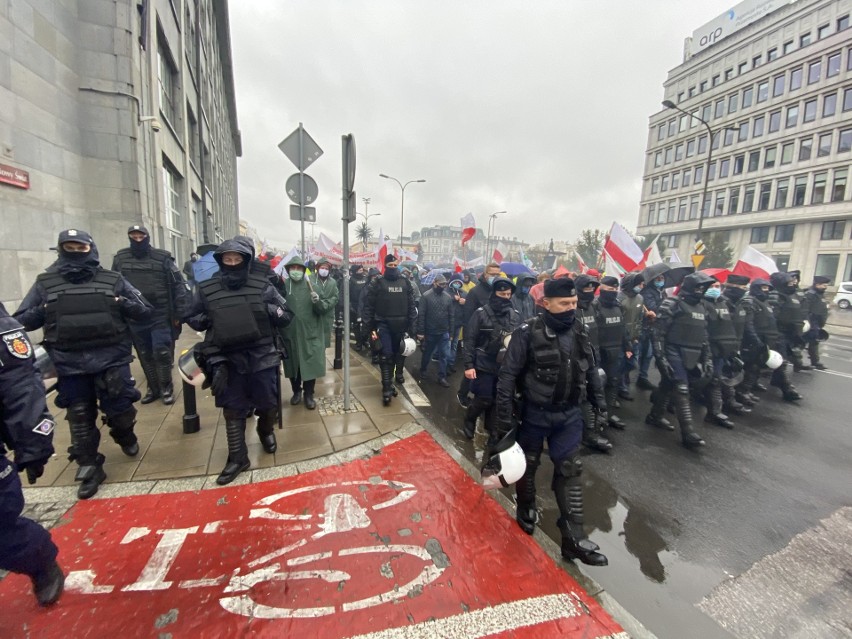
{"points": [[328, 293], [303, 337]]}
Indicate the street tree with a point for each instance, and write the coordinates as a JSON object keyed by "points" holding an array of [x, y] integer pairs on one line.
{"points": [[364, 233], [717, 251], [590, 245]]}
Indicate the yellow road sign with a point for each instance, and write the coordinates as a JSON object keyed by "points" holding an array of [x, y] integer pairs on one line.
{"points": [[697, 259]]}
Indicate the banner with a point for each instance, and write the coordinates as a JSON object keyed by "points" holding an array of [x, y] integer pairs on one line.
{"points": [[468, 228]]}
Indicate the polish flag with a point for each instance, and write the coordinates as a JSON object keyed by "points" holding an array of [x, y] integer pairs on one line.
{"points": [[652, 255], [754, 264], [622, 249], [468, 228], [499, 255], [581, 265], [611, 267], [385, 247]]}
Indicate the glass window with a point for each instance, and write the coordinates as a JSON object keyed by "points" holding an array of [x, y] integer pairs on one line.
{"points": [[748, 96], [748, 200], [784, 232], [743, 134], [693, 208], [756, 61], [774, 121], [729, 73], [763, 91], [729, 136], [781, 195], [792, 116], [796, 79], [681, 210], [678, 152], [805, 148], [818, 193], [172, 193], [690, 148], [833, 230], [724, 167], [847, 98], [691, 92], [705, 112], [753, 160], [810, 111], [742, 67], [672, 211], [788, 46], [702, 144], [758, 126], [822, 31], [661, 213], [719, 206], [166, 75], [778, 85], [658, 159], [787, 153], [720, 108], [655, 186], [716, 140], [844, 142], [739, 163], [832, 67], [711, 172], [699, 174], [772, 54], [667, 158], [838, 188], [759, 235], [664, 186], [651, 209], [804, 39], [682, 124], [733, 100], [763, 198], [814, 71], [661, 132], [829, 104], [826, 265], [799, 188], [687, 177], [675, 180], [769, 157], [843, 22], [733, 200], [703, 86], [672, 127], [824, 144]]}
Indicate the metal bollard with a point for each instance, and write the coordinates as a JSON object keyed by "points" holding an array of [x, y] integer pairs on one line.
{"points": [[191, 420], [338, 343]]}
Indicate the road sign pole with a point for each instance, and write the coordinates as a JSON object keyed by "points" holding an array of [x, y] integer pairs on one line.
{"points": [[302, 191], [346, 312]]}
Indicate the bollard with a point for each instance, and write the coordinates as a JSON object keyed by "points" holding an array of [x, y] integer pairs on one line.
{"points": [[191, 421], [338, 343]]}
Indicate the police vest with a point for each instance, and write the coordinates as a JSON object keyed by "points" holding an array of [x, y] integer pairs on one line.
{"points": [[492, 338], [610, 325], [149, 274], [555, 378], [689, 323], [721, 330], [392, 300], [739, 315], [238, 316], [764, 321], [82, 316], [817, 305], [587, 317], [789, 312]]}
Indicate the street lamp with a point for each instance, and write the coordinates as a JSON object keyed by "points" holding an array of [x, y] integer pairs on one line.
{"points": [[711, 135], [492, 220], [402, 201], [365, 214]]}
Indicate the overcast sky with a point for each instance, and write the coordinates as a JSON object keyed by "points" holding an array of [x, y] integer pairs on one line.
{"points": [[536, 108]]}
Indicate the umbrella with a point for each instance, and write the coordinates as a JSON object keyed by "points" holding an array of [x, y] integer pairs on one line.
{"points": [[204, 267], [720, 274], [650, 273], [674, 276], [515, 268], [429, 278]]}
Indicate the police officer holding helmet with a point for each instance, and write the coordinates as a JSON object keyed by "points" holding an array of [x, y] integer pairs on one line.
{"points": [[239, 310], [84, 309], [551, 363], [154, 273], [816, 312]]}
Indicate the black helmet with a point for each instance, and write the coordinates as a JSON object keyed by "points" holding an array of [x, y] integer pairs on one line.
{"points": [[695, 281]]}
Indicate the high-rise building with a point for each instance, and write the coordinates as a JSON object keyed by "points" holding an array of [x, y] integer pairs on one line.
{"points": [[112, 114], [773, 81]]}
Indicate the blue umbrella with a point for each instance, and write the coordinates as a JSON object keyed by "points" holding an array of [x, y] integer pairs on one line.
{"points": [[429, 278], [204, 267], [515, 268]]}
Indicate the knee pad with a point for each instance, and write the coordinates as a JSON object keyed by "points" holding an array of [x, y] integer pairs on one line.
{"points": [[163, 355], [230, 413], [570, 466], [682, 389], [82, 412]]}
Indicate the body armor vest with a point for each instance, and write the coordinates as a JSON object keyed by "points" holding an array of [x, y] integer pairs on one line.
{"points": [[148, 274], [554, 378], [720, 327], [80, 317], [689, 323], [491, 339], [739, 315], [817, 306], [238, 316], [611, 325], [392, 301], [790, 314], [587, 317], [764, 321]]}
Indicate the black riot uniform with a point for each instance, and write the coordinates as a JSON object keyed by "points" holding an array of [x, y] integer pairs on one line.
{"points": [[593, 436], [84, 310], [154, 273], [816, 312], [681, 351], [239, 310], [724, 348], [786, 303], [740, 309], [357, 283], [26, 429], [551, 364], [390, 311], [612, 343]]}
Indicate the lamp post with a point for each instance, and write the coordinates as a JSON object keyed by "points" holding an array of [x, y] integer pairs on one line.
{"points": [[402, 201], [492, 222], [711, 134]]}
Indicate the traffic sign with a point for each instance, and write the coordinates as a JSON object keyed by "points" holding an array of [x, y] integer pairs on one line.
{"points": [[294, 189], [310, 213], [699, 247], [302, 155], [697, 259]]}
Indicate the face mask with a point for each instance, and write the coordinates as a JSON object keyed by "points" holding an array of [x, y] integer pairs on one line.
{"points": [[141, 248], [456, 286], [790, 289], [712, 293], [490, 279], [609, 297], [296, 276], [735, 294], [500, 304], [559, 322], [392, 273], [440, 288], [586, 296], [525, 290], [76, 257], [761, 295], [819, 291], [637, 289], [658, 284], [323, 272]]}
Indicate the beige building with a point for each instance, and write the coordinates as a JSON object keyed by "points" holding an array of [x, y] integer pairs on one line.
{"points": [[777, 94]]}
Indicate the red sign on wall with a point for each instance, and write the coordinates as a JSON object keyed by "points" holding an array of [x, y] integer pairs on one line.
{"points": [[14, 176]]}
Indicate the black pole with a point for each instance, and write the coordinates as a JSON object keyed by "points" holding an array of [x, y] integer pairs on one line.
{"points": [[338, 342], [191, 420], [278, 392]]}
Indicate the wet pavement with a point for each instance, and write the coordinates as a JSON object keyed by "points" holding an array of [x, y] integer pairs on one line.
{"points": [[678, 526]]}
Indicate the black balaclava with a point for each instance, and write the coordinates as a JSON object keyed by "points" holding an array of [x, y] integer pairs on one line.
{"points": [[78, 267], [755, 292], [693, 287], [233, 277], [581, 282], [734, 294], [500, 305], [609, 298]]}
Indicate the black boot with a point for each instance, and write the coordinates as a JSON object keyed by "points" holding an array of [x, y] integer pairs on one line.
{"points": [[121, 431], [568, 489], [478, 405], [689, 438], [308, 386], [399, 375], [85, 438], [149, 368], [612, 401], [238, 461], [527, 514], [386, 366], [714, 407], [593, 437], [48, 584], [90, 476], [266, 429], [659, 401], [164, 374]]}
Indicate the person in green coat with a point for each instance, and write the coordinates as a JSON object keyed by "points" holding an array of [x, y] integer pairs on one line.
{"points": [[326, 287], [303, 338]]}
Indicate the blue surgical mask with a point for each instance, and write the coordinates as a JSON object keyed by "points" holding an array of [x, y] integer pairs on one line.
{"points": [[659, 284], [712, 293], [637, 289], [491, 279], [525, 290]]}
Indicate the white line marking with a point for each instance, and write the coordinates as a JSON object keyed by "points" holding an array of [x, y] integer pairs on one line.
{"points": [[846, 375], [277, 553], [201, 583], [82, 582], [297, 561]]}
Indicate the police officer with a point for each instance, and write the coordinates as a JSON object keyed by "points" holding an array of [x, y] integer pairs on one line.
{"points": [[84, 310], [681, 348], [239, 310], [816, 312], [742, 316], [26, 427], [372, 274], [653, 293], [724, 346], [390, 312], [154, 273], [357, 283], [612, 342], [484, 349], [786, 303], [593, 437], [633, 307], [551, 363]]}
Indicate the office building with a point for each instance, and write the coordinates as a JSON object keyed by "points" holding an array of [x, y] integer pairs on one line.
{"points": [[441, 243]]}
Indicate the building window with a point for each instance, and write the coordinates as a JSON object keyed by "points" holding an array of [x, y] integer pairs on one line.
{"points": [[733, 99], [675, 180], [682, 124], [763, 198], [724, 167], [756, 61], [748, 97], [829, 104], [703, 86], [668, 156], [671, 241], [702, 144], [678, 152], [822, 31], [739, 163], [787, 153], [711, 172], [847, 98], [805, 147], [743, 134], [690, 93], [781, 197], [758, 126], [748, 200], [838, 188], [804, 39], [792, 116], [729, 137], [665, 184], [774, 121], [832, 67], [172, 193], [672, 127], [818, 193], [788, 46], [810, 111], [733, 200], [687, 174], [799, 189], [705, 112], [759, 235], [796, 79], [681, 210], [769, 157], [782, 262], [784, 232], [814, 71], [699, 174], [843, 22], [167, 75], [658, 159], [833, 230], [729, 73], [719, 206], [772, 54], [672, 211], [824, 144], [762, 91], [778, 85], [661, 132], [651, 209], [690, 148], [194, 151], [720, 108], [693, 209], [742, 67], [844, 142], [826, 265]]}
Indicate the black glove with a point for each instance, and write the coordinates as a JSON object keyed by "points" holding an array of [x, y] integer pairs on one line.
{"points": [[34, 469], [219, 380], [665, 368]]}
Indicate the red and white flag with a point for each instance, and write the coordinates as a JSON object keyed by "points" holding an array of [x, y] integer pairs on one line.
{"points": [[384, 247], [499, 254], [468, 228], [652, 255], [622, 248], [753, 264], [581, 265]]}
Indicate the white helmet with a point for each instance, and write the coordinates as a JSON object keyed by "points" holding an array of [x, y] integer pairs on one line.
{"points": [[407, 346], [504, 468], [188, 368], [774, 360], [806, 326]]}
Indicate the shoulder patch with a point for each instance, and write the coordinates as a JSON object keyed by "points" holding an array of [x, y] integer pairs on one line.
{"points": [[44, 427], [18, 344]]}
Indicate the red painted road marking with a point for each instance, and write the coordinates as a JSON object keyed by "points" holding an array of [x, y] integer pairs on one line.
{"points": [[402, 544]]}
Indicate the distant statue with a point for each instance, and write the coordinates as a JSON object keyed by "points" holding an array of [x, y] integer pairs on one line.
{"points": [[550, 248]]}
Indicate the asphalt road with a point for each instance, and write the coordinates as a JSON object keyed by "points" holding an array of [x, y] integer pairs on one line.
{"points": [[677, 524]]}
